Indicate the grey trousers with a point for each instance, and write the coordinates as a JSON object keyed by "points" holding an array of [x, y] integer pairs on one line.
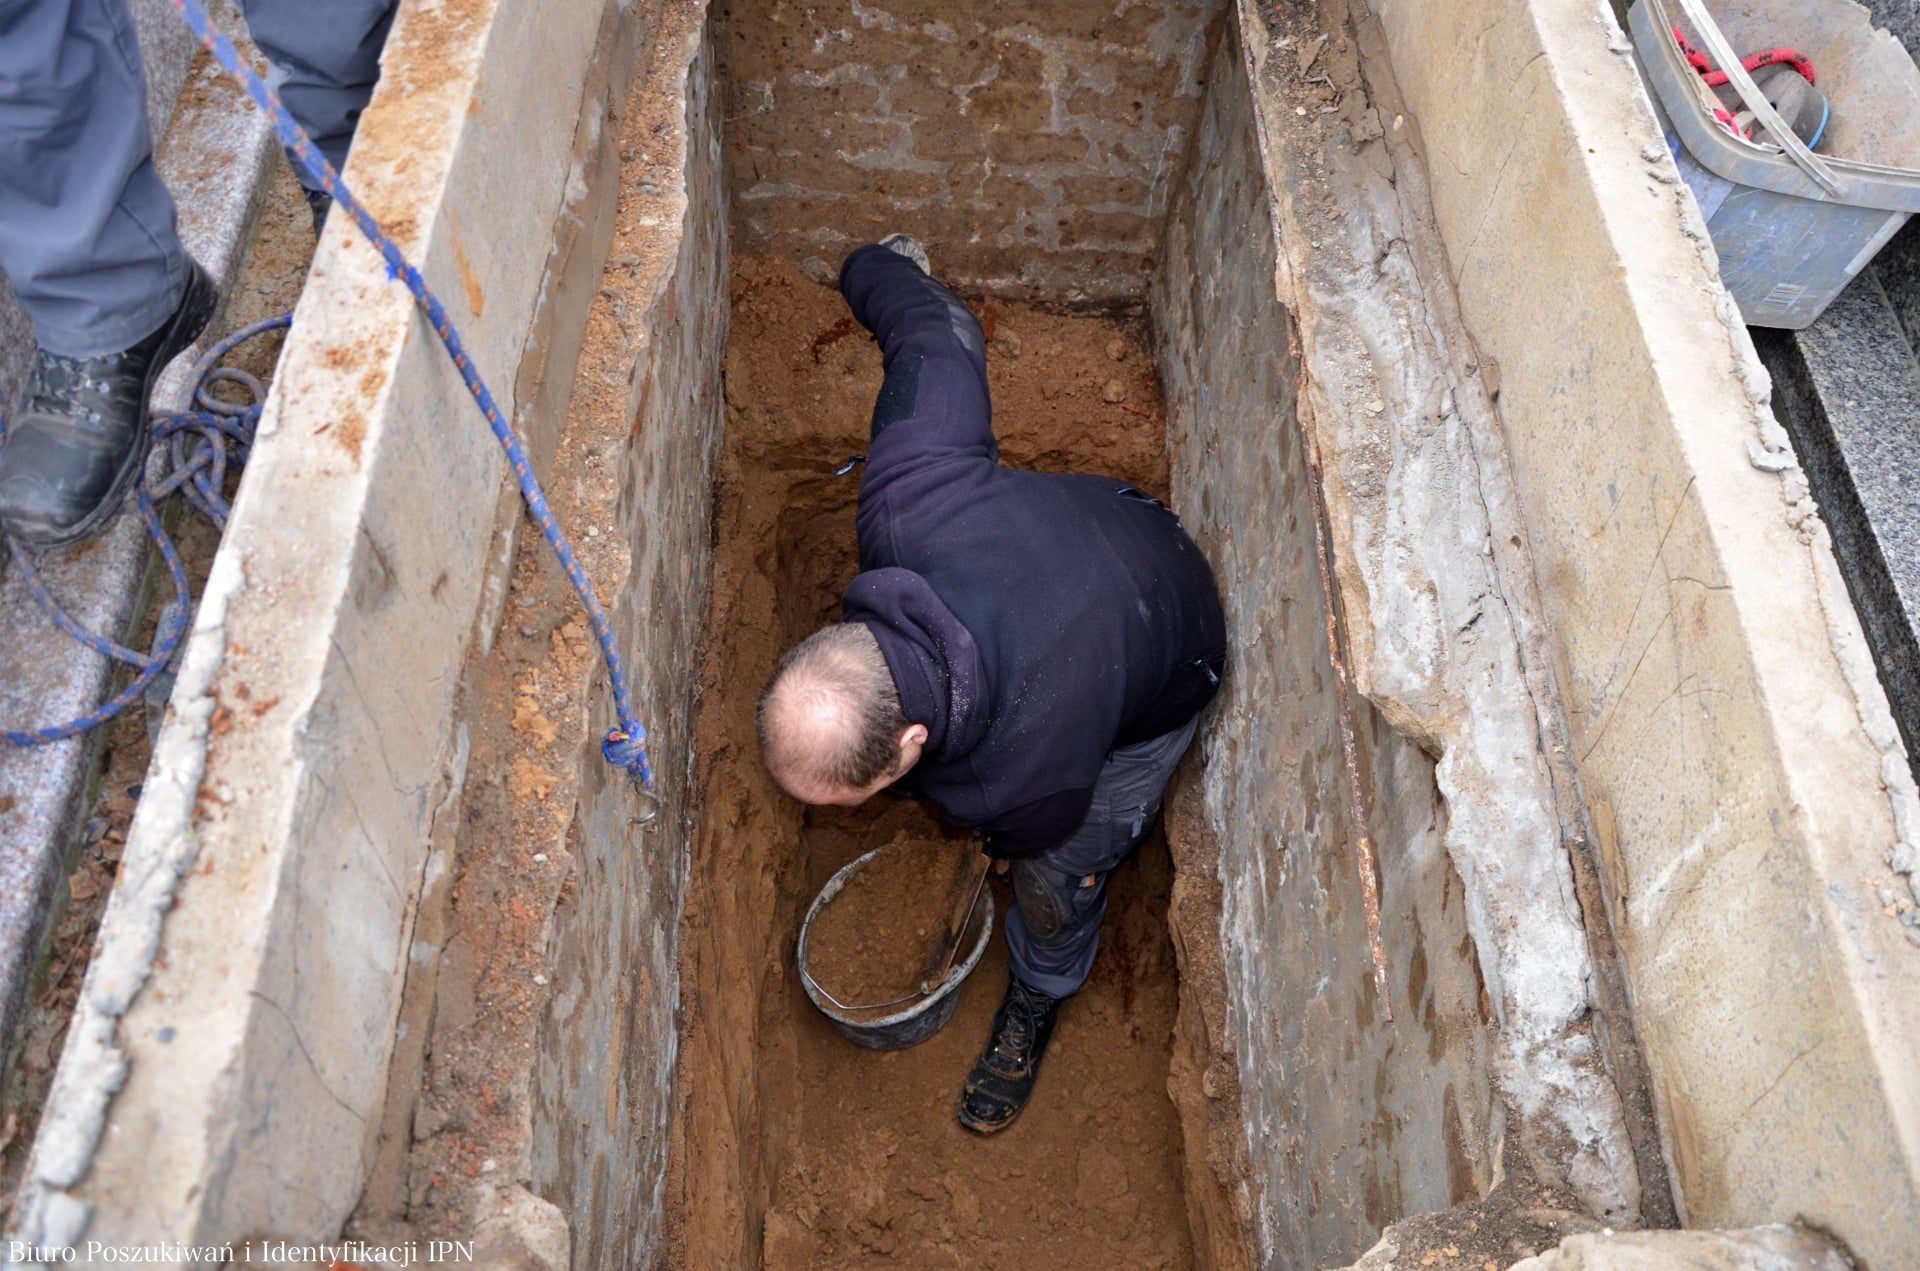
{"points": [[87, 233], [1053, 930]]}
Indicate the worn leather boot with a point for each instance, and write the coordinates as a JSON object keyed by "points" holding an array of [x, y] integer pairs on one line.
{"points": [[1002, 1077], [81, 442]]}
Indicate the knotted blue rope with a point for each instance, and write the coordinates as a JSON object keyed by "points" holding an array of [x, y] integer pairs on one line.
{"points": [[624, 744]]}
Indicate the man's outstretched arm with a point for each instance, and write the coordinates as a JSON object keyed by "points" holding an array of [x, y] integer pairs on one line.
{"points": [[934, 399]]}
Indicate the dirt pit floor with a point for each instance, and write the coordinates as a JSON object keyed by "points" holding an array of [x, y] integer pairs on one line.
{"points": [[794, 1147]]}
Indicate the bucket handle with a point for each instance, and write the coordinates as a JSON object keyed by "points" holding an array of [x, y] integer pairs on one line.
{"points": [[1756, 101]]}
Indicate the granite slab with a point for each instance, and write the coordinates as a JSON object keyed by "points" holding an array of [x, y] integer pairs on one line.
{"points": [[216, 155], [1848, 390]]}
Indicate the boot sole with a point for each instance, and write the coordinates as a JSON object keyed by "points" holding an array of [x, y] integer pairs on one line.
{"points": [[982, 1128], [189, 320]]}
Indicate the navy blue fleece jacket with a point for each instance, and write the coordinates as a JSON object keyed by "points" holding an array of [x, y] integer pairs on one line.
{"points": [[1033, 622]]}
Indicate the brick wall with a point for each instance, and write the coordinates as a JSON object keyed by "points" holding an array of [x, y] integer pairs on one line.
{"points": [[1031, 147]]}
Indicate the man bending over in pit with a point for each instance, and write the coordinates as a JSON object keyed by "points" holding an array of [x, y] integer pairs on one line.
{"points": [[1030, 651]]}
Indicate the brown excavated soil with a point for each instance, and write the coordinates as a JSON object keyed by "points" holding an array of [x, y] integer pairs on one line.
{"points": [[795, 1148], [1520, 1218], [869, 944]]}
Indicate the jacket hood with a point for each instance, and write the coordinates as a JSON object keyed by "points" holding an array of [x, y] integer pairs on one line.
{"points": [[936, 665]]}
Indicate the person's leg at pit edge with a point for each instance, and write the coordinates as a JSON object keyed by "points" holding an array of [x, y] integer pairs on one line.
{"points": [[324, 71], [87, 239]]}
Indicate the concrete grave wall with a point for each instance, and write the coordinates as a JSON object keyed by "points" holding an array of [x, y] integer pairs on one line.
{"points": [[1032, 148], [1351, 1120], [1756, 815], [214, 153], [230, 1050], [1307, 322], [606, 1066]]}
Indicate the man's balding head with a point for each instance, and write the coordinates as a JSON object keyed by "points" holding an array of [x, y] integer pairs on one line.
{"points": [[831, 730]]}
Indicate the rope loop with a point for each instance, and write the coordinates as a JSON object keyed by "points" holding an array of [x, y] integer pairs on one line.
{"points": [[624, 749], [197, 448], [169, 636]]}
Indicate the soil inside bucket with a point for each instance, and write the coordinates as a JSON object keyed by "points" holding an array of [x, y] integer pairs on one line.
{"points": [[868, 945]]}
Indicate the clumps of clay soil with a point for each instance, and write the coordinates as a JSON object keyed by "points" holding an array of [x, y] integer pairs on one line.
{"points": [[1519, 1220], [868, 945]]}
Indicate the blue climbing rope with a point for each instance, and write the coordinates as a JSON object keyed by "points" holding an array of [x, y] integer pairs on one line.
{"points": [[624, 744], [166, 640]]}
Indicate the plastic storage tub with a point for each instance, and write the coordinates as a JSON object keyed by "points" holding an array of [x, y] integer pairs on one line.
{"points": [[1792, 228]]}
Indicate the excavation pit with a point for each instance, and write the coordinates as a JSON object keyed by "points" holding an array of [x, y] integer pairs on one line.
{"points": [[857, 1153], [422, 969]]}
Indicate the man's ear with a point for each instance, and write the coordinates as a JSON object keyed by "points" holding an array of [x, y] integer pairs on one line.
{"points": [[913, 735]]}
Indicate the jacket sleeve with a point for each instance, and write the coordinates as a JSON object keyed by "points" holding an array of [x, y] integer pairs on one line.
{"points": [[934, 402], [1034, 827]]}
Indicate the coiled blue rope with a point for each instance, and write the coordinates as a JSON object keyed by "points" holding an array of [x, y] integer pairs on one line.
{"points": [[199, 446], [151, 664], [624, 744]]}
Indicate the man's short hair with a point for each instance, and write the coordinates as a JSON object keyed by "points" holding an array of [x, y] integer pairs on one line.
{"points": [[830, 714]]}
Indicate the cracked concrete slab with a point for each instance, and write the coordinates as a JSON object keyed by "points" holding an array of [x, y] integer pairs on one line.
{"points": [[1350, 325], [1755, 815], [1770, 1248]]}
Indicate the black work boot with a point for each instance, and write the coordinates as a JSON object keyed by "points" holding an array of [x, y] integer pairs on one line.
{"points": [[319, 202], [1002, 1077], [81, 442]]}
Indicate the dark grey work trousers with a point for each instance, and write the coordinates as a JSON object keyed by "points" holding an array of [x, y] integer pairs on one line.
{"points": [[1053, 931], [86, 228]]}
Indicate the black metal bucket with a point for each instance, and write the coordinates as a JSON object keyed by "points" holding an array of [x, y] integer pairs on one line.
{"points": [[922, 1016]]}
